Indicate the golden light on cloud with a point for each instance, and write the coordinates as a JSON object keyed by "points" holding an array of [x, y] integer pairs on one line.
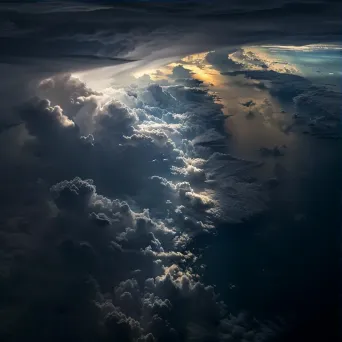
{"points": [[196, 64], [259, 58]]}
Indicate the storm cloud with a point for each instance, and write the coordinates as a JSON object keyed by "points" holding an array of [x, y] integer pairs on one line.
{"points": [[86, 33], [105, 191], [123, 183]]}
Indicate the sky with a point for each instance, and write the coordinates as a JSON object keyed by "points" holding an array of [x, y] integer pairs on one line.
{"points": [[170, 170]]}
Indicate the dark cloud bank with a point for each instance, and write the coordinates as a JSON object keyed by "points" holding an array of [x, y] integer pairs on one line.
{"points": [[104, 192], [63, 34], [99, 248]]}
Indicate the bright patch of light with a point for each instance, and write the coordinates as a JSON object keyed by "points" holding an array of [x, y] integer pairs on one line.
{"points": [[305, 47]]}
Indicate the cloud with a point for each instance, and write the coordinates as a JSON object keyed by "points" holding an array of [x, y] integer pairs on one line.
{"points": [[78, 36], [320, 110], [282, 85], [93, 249], [41, 111], [180, 72], [274, 151], [220, 59], [162, 131], [189, 82], [249, 103], [131, 184], [97, 33], [65, 91], [317, 107], [247, 60], [105, 192]]}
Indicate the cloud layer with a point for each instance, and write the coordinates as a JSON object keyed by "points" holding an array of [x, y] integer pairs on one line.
{"points": [[104, 193], [78, 34], [122, 182]]}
